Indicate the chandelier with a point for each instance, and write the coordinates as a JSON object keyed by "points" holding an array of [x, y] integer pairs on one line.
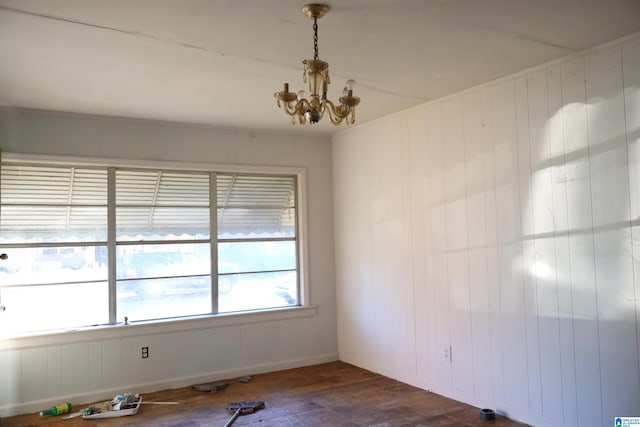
{"points": [[316, 72]]}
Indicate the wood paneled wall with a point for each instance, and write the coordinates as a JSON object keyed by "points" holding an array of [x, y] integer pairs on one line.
{"points": [[501, 225]]}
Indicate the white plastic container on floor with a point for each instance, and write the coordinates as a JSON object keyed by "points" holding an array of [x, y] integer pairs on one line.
{"points": [[119, 413]]}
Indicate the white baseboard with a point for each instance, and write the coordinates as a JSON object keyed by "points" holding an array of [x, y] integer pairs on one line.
{"points": [[93, 396]]}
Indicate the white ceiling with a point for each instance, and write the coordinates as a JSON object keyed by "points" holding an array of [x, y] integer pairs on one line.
{"points": [[220, 61]]}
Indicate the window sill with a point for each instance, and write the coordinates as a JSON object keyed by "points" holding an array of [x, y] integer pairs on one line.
{"points": [[154, 327]]}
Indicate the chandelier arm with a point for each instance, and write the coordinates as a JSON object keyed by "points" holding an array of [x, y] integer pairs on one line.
{"points": [[300, 110], [335, 118], [294, 110], [302, 106], [351, 118], [341, 110], [289, 108], [322, 107]]}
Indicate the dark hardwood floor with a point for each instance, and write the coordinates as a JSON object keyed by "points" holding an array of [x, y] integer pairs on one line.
{"points": [[328, 395]]}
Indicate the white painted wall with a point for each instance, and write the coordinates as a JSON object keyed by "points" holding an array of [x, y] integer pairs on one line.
{"points": [[503, 222], [86, 367]]}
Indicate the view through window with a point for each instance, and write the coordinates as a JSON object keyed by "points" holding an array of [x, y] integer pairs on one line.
{"points": [[91, 245]]}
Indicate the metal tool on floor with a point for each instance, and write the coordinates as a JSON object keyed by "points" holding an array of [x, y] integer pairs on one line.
{"points": [[73, 415], [211, 388], [243, 408]]}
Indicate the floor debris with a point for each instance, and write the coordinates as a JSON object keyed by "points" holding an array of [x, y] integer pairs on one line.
{"points": [[211, 388]]}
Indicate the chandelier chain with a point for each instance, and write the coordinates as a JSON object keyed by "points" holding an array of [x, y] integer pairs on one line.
{"points": [[315, 38]]}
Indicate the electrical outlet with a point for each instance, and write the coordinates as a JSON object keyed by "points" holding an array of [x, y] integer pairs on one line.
{"points": [[145, 352], [447, 354]]}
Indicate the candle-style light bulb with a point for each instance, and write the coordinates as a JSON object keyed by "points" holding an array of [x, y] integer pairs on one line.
{"points": [[348, 87]]}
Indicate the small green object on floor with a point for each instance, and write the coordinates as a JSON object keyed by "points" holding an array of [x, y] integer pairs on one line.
{"points": [[63, 408]]}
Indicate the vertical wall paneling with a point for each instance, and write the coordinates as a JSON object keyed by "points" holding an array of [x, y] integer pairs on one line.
{"points": [[257, 338], [199, 359], [439, 234], [112, 360], [386, 206], [365, 296], [11, 386], [357, 342], [408, 353], [544, 268], [403, 325], [509, 272], [225, 347], [188, 363], [76, 376], [457, 246], [381, 361], [631, 78], [539, 268], [55, 382], [130, 363], [432, 191], [476, 232], [277, 350], [529, 240], [347, 253], [95, 365], [418, 183], [35, 361], [395, 276], [612, 237], [525, 181], [557, 328], [581, 246], [491, 212], [564, 407]]}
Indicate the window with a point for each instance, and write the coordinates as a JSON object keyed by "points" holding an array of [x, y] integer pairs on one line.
{"points": [[92, 245], [256, 219]]}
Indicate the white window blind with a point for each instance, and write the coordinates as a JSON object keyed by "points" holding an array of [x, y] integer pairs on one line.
{"points": [[250, 206], [68, 201], [162, 202]]}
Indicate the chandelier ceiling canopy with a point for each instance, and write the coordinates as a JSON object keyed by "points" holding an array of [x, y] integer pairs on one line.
{"points": [[312, 109]]}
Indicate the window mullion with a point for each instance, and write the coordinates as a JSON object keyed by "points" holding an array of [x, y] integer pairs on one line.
{"points": [[111, 242], [303, 297], [213, 233]]}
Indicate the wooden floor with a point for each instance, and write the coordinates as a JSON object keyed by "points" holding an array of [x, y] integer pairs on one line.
{"points": [[329, 395]]}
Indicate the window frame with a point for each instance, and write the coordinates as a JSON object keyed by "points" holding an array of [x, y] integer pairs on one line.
{"points": [[302, 309]]}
